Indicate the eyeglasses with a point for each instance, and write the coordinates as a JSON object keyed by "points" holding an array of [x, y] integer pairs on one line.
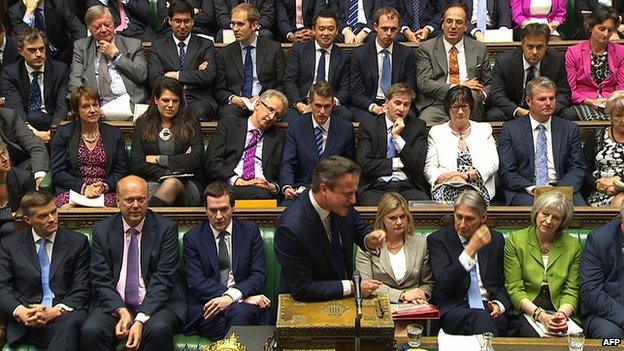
{"points": [[272, 112], [456, 108]]}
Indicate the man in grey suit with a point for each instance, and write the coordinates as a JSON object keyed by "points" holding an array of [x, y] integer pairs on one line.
{"points": [[113, 64], [449, 60]]}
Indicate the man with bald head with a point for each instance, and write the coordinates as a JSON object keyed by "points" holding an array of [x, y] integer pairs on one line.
{"points": [[138, 293]]}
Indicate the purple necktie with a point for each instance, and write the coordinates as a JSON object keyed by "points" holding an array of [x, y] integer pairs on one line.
{"points": [[132, 271], [249, 171]]}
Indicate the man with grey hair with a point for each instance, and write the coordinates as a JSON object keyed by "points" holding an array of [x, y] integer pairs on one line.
{"points": [[114, 65], [600, 290], [247, 153], [540, 150], [467, 263]]}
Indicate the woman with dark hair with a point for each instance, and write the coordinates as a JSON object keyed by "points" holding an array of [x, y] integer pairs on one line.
{"points": [[595, 67], [87, 155], [461, 153], [14, 184], [167, 148]]}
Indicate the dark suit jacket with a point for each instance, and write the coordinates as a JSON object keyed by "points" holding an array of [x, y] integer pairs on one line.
{"points": [[452, 280], [517, 156], [224, 7], [15, 84], [269, 68], [164, 58], [227, 145], [159, 265], [498, 10], [300, 72], [10, 53], [138, 12], [302, 249], [602, 287], [364, 72], [19, 182], [286, 15], [20, 274], [201, 259], [431, 12], [25, 149], [205, 22], [508, 77], [373, 146], [66, 173], [180, 162], [62, 25], [370, 9], [300, 157]]}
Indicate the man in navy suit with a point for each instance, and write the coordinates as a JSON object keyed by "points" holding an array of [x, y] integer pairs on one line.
{"points": [[356, 19], [418, 27], [312, 138], [225, 269], [378, 64], [315, 236], [392, 151], [304, 68], [467, 264], [39, 102], [187, 58], [44, 279], [540, 149], [139, 293], [601, 287]]}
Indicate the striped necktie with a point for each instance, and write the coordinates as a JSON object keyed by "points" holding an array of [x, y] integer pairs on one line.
{"points": [[318, 138]]}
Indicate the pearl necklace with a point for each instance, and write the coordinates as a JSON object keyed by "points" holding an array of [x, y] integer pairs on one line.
{"points": [[90, 138]]}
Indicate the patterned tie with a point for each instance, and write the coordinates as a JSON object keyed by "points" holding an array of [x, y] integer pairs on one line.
{"points": [[352, 14], [249, 169], [474, 294], [415, 15], [318, 139], [320, 70], [44, 264], [133, 265], [34, 94], [181, 45], [386, 72], [248, 73], [224, 259], [482, 15], [104, 81], [123, 20], [541, 157], [453, 66]]}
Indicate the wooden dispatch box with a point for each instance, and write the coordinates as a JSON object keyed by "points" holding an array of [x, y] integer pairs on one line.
{"points": [[330, 323]]}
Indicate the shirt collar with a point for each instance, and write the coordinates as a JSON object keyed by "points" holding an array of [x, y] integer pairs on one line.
{"points": [[30, 70], [185, 41], [251, 126], [535, 123], [317, 47], [254, 43], [36, 236], [138, 227], [526, 65], [389, 122], [459, 45], [325, 125], [216, 232], [323, 213], [379, 47]]}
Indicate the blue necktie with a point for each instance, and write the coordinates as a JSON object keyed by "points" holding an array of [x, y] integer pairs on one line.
{"points": [[386, 72], [352, 14], [248, 73], [320, 70], [44, 264], [541, 157], [482, 15], [415, 15], [34, 95], [474, 295], [318, 138], [391, 153], [133, 265]]}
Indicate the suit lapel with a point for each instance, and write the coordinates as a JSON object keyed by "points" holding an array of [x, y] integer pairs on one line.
{"points": [[527, 138], [471, 58], [28, 249], [209, 245], [117, 237], [48, 78], [311, 141], [382, 134], [620, 259], [374, 64], [440, 54], [173, 54], [534, 249], [555, 252], [237, 243], [147, 242], [332, 137], [345, 241], [333, 63], [517, 71], [267, 145], [240, 134], [585, 57], [59, 252], [261, 54], [396, 62], [483, 256], [556, 137], [25, 80], [91, 53], [191, 52], [384, 261], [316, 227]]}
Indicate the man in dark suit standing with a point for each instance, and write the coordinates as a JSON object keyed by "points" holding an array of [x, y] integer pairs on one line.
{"points": [[600, 289], [392, 151], [315, 236], [420, 19], [316, 61], [52, 17], [467, 264], [131, 17], [266, 8], [247, 67], [225, 269], [139, 294], [36, 87], [311, 138], [246, 153], [44, 278], [377, 65], [295, 18], [188, 58], [540, 149], [515, 68], [357, 19]]}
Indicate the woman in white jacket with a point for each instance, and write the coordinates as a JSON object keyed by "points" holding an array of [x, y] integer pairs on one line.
{"points": [[461, 153]]}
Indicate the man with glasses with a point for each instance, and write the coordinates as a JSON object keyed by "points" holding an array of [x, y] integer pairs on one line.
{"points": [[218, 296], [247, 153]]}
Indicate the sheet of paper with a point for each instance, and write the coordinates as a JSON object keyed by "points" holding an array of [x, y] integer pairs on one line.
{"points": [[118, 109], [543, 332], [447, 342], [81, 200], [250, 103], [139, 109], [228, 36], [502, 35]]}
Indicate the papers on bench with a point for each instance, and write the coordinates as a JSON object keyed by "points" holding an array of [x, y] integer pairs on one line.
{"points": [[81, 200], [501, 35], [180, 175], [447, 342], [118, 109], [410, 311], [544, 333]]}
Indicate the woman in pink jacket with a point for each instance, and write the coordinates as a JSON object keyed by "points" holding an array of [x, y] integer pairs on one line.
{"points": [[595, 67], [550, 12]]}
